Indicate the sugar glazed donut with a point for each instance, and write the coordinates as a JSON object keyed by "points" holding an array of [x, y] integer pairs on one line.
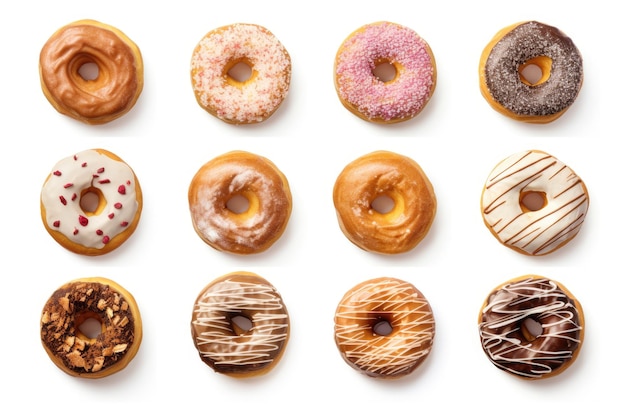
{"points": [[91, 202], [95, 356], [375, 98], [541, 99], [94, 98], [225, 94], [531, 327], [384, 174], [384, 328], [247, 228], [240, 325], [534, 203]]}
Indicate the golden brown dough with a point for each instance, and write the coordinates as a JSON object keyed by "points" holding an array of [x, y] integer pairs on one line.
{"points": [[389, 175]]}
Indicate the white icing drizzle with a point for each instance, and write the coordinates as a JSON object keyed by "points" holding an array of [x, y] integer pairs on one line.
{"points": [[61, 194], [542, 300], [213, 329], [408, 313], [534, 232]]}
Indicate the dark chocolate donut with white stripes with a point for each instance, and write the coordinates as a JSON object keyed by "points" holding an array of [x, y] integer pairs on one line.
{"points": [[531, 327], [531, 72], [240, 325], [534, 203]]}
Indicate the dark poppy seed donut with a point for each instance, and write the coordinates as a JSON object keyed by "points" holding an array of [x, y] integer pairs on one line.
{"points": [[505, 86]]}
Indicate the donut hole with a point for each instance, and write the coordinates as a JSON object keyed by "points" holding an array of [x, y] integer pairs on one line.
{"points": [[238, 204], [535, 71], [382, 327], [531, 329], [533, 201], [89, 71], [241, 324], [88, 326], [385, 71], [240, 71], [383, 204], [92, 201]]}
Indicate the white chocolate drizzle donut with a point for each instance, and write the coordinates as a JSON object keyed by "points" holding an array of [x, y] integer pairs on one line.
{"points": [[225, 346], [111, 181], [393, 303], [508, 341], [546, 227], [229, 99]]}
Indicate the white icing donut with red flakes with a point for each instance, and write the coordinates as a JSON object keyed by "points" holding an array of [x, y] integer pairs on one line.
{"points": [[91, 202]]}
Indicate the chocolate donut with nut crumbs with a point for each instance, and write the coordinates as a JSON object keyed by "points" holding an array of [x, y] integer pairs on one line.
{"points": [[504, 82], [91, 356]]}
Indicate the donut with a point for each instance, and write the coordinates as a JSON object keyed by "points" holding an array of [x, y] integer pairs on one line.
{"points": [[91, 355], [240, 325], [230, 95], [96, 98], [91, 202], [505, 84], [386, 175], [411, 71], [531, 327], [243, 229], [384, 328], [533, 203]]}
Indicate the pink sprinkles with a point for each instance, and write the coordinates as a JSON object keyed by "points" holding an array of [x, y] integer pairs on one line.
{"points": [[400, 99]]}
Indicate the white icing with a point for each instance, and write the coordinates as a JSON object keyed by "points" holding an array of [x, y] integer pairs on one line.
{"points": [[534, 232], [73, 175]]}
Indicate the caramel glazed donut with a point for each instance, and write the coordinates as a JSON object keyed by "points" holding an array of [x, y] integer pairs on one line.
{"points": [[240, 325], [502, 79], [78, 354], [240, 174], [531, 327], [376, 99], [396, 177], [384, 328], [112, 92], [91, 202], [230, 98], [534, 203]]}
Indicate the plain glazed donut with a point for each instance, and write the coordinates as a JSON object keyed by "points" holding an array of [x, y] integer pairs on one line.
{"points": [[240, 174], [384, 328], [378, 100], [99, 299], [230, 99], [117, 84], [240, 325], [531, 327], [393, 176], [91, 202], [510, 92], [533, 203]]}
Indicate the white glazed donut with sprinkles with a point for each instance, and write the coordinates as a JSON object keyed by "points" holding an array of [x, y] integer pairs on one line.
{"points": [[91, 202], [231, 98]]}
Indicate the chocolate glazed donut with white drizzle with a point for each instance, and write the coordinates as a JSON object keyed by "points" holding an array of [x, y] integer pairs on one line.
{"points": [[240, 325], [531, 327]]}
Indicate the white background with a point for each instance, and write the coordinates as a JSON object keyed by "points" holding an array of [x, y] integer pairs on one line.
{"points": [[166, 137]]}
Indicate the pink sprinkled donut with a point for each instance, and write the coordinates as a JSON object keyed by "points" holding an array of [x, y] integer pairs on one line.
{"points": [[375, 98], [232, 97]]}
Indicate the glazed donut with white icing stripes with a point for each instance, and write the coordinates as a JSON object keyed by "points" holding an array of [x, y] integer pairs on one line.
{"points": [[531, 327], [91, 202], [240, 325], [534, 203], [384, 328]]}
